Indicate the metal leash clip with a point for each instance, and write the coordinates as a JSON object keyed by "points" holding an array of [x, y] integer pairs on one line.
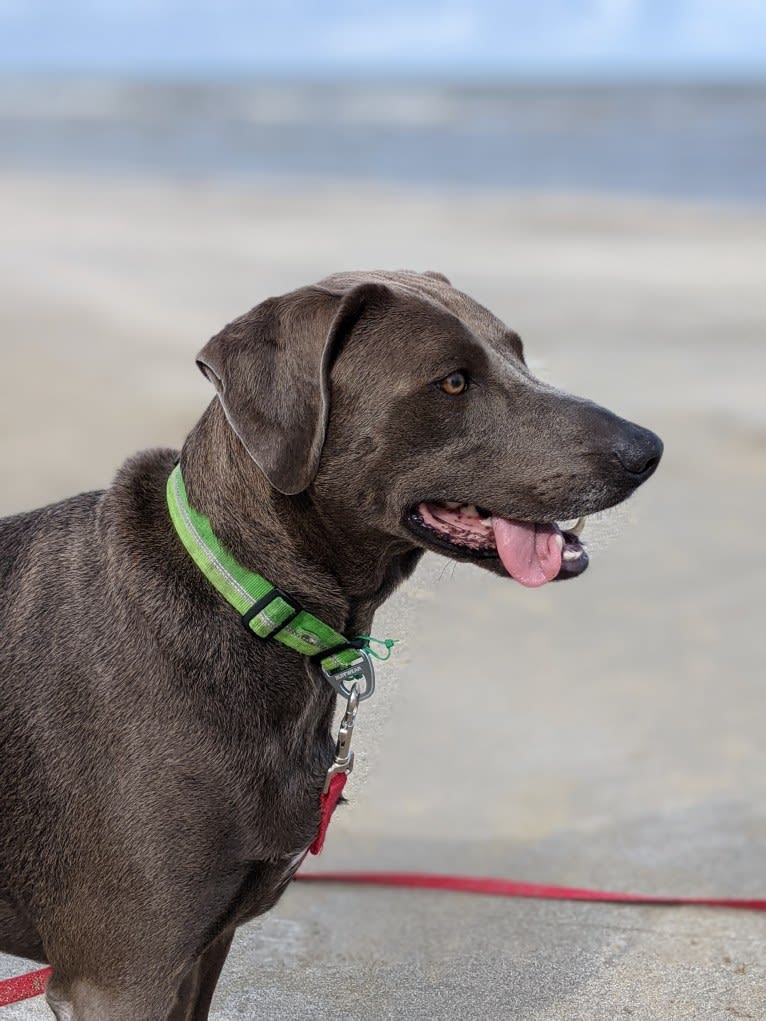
{"points": [[363, 670], [344, 757]]}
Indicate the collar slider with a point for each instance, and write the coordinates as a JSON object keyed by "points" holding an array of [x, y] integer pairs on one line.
{"points": [[293, 607]]}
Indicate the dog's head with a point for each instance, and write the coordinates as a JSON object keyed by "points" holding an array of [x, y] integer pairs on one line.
{"points": [[396, 394]]}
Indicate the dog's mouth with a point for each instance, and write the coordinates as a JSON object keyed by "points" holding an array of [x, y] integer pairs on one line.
{"points": [[532, 553]]}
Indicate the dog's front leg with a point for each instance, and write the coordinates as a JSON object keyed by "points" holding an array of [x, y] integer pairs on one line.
{"points": [[82, 1000], [196, 992], [150, 997]]}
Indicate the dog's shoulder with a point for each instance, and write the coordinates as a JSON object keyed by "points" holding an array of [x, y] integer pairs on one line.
{"points": [[81, 536], [27, 536]]}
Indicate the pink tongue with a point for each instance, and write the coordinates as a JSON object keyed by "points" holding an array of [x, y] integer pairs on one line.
{"points": [[530, 553]]}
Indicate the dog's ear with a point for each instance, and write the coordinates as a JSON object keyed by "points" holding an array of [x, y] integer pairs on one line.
{"points": [[271, 367], [437, 276]]}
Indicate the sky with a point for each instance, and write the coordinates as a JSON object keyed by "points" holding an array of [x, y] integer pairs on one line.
{"points": [[473, 37]]}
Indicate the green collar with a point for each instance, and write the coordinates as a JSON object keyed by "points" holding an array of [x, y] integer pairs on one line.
{"points": [[267, 611]]}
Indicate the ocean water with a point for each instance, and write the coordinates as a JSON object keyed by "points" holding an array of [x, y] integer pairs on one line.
{"points": [[693, 141]]}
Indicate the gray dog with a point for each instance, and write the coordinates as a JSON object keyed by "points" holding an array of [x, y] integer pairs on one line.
{"points": [[163, 765]]}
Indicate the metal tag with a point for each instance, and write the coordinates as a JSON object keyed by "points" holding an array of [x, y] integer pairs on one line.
{"points": [[343, 680]]}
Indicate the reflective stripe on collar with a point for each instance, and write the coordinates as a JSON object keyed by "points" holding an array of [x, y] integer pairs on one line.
{"points": [[265, 610]]}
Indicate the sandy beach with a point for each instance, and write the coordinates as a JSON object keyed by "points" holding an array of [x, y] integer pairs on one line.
{"points": [[608, 732]]}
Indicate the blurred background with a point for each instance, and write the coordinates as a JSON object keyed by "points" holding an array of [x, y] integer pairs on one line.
{"points": [[593, 171], [624, 96]]}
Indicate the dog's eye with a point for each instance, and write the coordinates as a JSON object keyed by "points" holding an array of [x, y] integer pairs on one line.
{"points": [[454, 384]]}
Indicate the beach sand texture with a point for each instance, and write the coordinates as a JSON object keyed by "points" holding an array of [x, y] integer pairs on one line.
{"points": [[605, 733]]}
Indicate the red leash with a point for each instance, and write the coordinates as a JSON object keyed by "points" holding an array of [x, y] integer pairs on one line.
{"points": [[24, 986], [12, 990], [510, 888], [33, 984]]}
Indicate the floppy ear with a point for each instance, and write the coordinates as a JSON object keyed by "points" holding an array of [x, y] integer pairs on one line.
{"points": [[270, 368], [437, 276]]}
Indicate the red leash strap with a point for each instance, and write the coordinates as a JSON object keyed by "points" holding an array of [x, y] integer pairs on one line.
{"points": [[33, 984], [23, 987], [510, 888]]}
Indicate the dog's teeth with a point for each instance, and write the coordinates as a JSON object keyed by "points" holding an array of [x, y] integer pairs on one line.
{"points": [[572, 554], [559, 538], [487, 522], [451, 504], [579, 525], [470, 510], [572, 526]]}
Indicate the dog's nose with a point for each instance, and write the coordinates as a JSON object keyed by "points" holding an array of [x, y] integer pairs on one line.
{"points": [[639, 451]]}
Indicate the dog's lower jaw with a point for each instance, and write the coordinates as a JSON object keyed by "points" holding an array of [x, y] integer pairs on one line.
{"points": [[478, 545]]}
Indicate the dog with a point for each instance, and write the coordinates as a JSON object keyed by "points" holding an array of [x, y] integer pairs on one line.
{"points": [[163, 765]]}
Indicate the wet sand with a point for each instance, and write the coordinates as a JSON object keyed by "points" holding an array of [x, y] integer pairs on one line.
{"points": [[607, 732]]}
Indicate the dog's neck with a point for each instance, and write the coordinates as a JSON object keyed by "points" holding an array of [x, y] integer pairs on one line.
{"points": [[340, 574]]}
